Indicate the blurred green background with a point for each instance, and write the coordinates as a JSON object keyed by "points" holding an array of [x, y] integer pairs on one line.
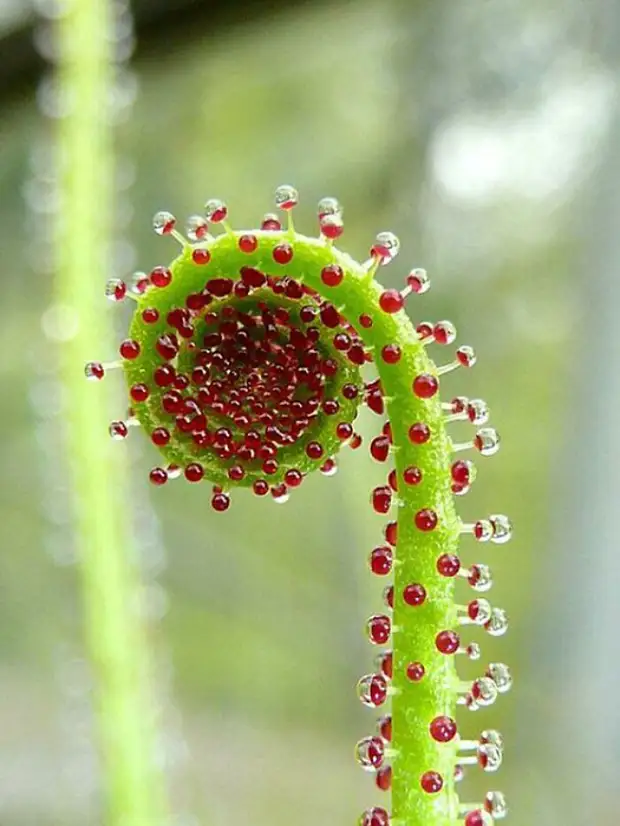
{"points": [[486, 136]]}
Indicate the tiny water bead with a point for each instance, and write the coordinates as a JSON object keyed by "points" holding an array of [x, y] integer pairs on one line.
{"points": [[246, 366]]}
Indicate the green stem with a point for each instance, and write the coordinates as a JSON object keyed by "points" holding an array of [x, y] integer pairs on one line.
{"points": [[415, 704], [113, 608]]}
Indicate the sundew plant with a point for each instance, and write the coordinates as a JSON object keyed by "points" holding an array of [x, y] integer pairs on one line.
{"points": [[246, 362], [245, 366]]}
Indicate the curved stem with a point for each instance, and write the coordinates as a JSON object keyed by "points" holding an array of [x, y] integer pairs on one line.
{"points": [[111, 591], [415, 704]]}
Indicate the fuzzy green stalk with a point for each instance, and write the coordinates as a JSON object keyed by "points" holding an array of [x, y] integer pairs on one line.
{"points": [[112, 597], [414, 705]]}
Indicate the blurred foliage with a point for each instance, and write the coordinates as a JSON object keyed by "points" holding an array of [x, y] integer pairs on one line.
{"points": [[264, 606]]}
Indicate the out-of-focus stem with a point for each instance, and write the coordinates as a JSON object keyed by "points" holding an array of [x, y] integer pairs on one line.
{"points": [[113, 616]]}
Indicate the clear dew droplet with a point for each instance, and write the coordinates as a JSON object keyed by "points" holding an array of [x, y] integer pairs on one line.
{"points": [[139, 282], [445, 332], [497, 624], [492, 736], [118, 431], [480, 577], [487, 441], [502, 528], [215, 210], [484, 691], [330, 468], [163, 222], [386, 247], [286, 197], [281, 497], [369, 752], [93, 370], [483, 530], [173, 471], [419, 281], [372, 690], [329, 206], [490, 757], [501, 676], [115, 289], [495, 804], [480, 610], [197, 228], [477, 411], [473, 651]]}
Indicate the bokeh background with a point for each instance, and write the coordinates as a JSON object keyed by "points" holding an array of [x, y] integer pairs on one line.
{"points": [[486, 136]]}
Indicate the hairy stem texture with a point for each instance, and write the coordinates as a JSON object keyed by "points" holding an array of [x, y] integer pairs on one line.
{"points": [[414, 704]]}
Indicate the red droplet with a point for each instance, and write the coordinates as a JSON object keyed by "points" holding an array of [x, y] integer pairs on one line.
{"points": [[448, 565], [150, 315], [414, 594], [158, 476], [332, 275], [391, 353], [219, 287], [382, 499], [252, 277], [425, 386], [431, 782], [293, 478], [160, 436], [388, 596], [260, 487], [270, 466], [356, 354], [379, 628], [314, 450], [393, 479], [475, 818], [365, 321], [167, 346], [415, 672], [447, 642], [355, 441], [443, 729], [385, 662], [412, 475], [164, 375], [160, 277], [342, 341], [129, 349], [201, 256], [220, 502], [426, 520], [236, 473], [383, 778], [329, 316], [248, 243], [419, 433], [344, 431], [391, 533], [391, 301], [282, 254], [461, 472], [385, 727], [374, 817], [194, 472], [350, 391], [271, 222], [381, 560], [424, 329], [139, 392], [380, 448]]}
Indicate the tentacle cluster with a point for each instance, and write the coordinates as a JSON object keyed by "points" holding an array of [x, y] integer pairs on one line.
{"points": [[244, 366]]}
